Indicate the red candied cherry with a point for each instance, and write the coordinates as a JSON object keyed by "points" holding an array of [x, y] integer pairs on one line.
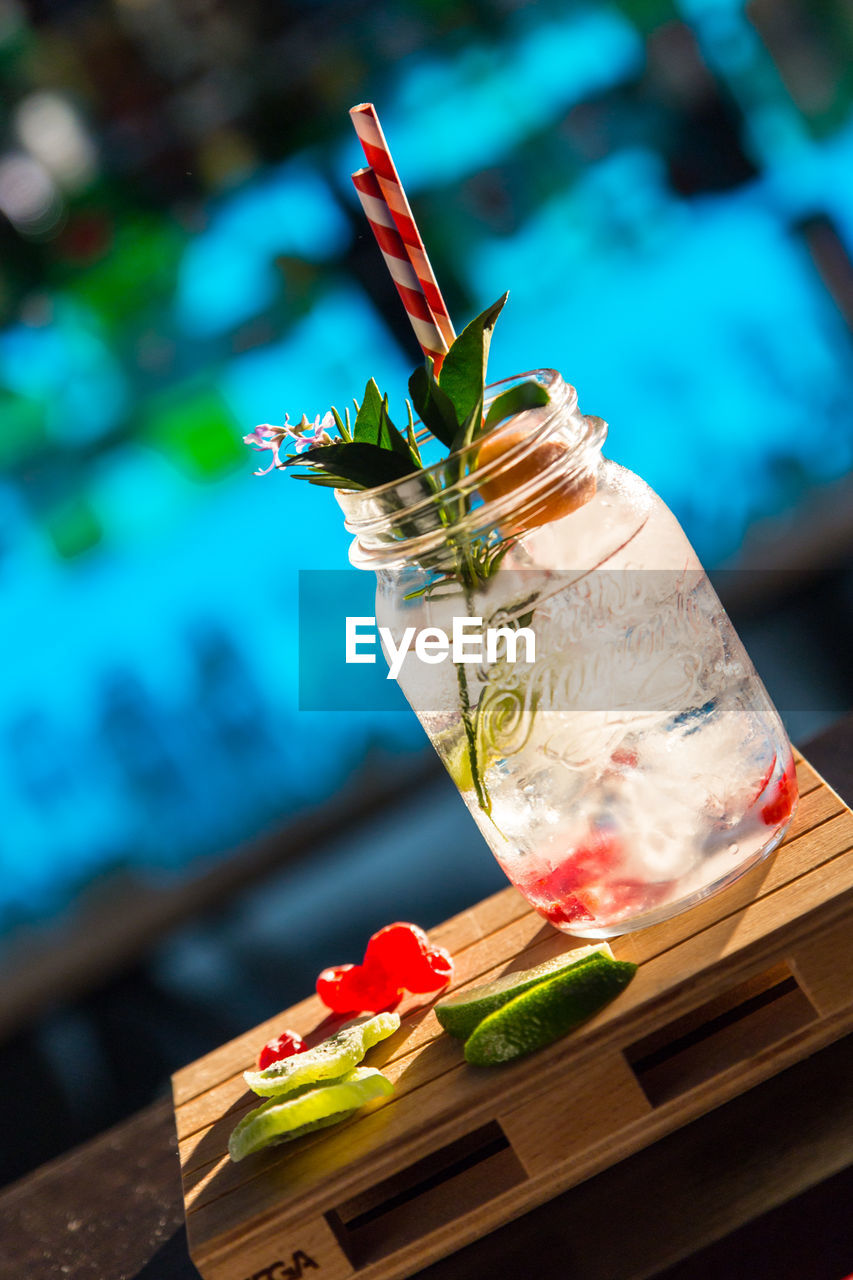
{"points": [[404, 951], [371, 988], [357, 988], [283, 1046], [396, 947], [433, 969], [332, 988], [397, 958]]}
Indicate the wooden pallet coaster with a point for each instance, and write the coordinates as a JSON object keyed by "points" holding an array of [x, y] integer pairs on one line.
{"points": [[726, 995]]}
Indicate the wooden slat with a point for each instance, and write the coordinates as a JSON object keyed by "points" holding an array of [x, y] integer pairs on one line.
{"points": [[588, 1109], [824, 968], [307, 1247]]}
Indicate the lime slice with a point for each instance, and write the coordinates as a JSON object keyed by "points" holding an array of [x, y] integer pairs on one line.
{"points": [[547, 1011], [329, 1060], [457, 760], [283, 1119], [460, 1013]]}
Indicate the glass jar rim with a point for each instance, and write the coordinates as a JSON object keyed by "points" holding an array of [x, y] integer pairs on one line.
{"points": [[399, 516], [548, 378]]}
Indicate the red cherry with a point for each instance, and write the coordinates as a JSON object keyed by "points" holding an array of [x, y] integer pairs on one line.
{"points": [[283, 1046], [397, 958], [332, 990], [357, 988], [433, 969], [371, 988], [397, 946], [404, 950], [440, 961]]}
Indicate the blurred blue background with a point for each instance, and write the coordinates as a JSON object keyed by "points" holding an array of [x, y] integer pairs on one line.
{"points": [[664, 186]]}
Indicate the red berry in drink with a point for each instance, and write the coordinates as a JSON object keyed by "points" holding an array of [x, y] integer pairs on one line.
{"points": [[283, 1046], [571, 891], [567, 911], [781, 799]]}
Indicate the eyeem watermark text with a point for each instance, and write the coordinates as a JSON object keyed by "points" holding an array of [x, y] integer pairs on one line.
{"points": [[467, 642]]}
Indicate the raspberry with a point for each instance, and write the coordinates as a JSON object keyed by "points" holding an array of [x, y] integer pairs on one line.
{"points": [[567, 893]]}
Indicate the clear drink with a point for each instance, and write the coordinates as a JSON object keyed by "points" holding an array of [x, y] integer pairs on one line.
{"points": [[635, 764]]}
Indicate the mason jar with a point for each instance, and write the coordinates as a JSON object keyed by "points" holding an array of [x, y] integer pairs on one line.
{"points": [[554, 631]]}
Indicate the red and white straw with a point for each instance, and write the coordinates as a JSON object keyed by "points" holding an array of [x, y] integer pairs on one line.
{"points": [[379, 159], [397, 260]]}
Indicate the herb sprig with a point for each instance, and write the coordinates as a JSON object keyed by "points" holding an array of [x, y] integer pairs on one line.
{"points": [[370, 451], [450, 405]]}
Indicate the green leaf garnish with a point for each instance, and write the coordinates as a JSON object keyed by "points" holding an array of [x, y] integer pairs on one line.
{"points": [[374, 426], [433, 406], [463, 374], [357, 464]]}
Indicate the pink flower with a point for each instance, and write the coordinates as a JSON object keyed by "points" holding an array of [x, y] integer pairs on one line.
{"points": [[319, 430], [302, 435], [269, 437]]}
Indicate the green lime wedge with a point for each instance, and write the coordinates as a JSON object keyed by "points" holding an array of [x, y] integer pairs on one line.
{"points": [[283, 1119], [547, 1011], [461, 1012], [329, 1060]]}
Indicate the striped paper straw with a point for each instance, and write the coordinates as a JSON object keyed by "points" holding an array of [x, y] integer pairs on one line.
{"points": [[397, 260], [378, 155]]}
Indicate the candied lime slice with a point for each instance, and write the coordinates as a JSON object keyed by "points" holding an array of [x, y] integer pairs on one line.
{"points": [[283, 1119], [460, 1013], [547, 1011], [329, 1060]]}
